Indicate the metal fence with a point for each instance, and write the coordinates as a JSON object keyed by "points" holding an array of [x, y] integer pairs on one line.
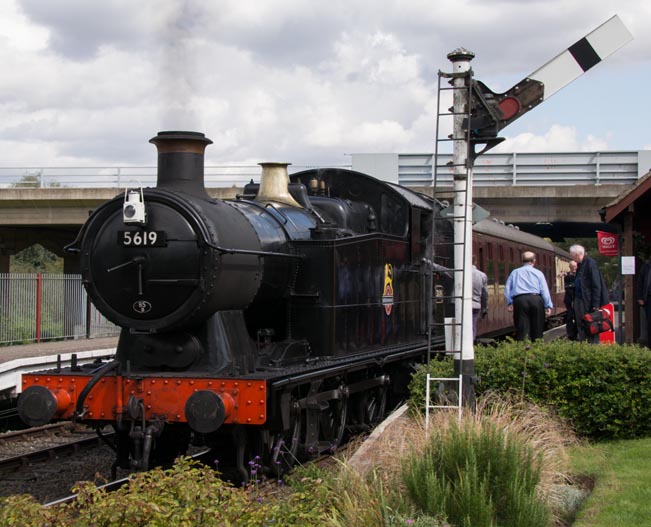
{"points": [[415, 169], [527, 169], [121, 177], [39, 307], [512, 169]]}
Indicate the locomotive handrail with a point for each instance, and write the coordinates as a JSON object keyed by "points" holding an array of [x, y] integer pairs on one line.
{"points": [[224, 250]]}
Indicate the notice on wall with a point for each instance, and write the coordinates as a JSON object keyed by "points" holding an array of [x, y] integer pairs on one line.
{"points": [[628, 264]]}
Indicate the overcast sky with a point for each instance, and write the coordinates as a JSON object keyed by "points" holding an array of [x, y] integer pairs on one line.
{"points": [[304, 81]]}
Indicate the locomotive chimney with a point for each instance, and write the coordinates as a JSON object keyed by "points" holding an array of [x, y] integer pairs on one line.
{"points": [[181, 161], [274, 184]]}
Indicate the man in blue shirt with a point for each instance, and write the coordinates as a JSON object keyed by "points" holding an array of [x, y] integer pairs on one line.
{"points": [[527, 295]]}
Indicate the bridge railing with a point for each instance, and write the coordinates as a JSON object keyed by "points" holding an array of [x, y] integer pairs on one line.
{"points": [[527, 169], [123, 177], [507, 169], [38, 307]]}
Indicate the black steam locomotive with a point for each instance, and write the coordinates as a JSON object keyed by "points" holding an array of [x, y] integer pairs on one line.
{"points": [[267, 325]]}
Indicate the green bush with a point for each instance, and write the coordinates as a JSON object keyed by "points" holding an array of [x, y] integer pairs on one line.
{"points": [[604, 391], [477, 475], [185, 495]]}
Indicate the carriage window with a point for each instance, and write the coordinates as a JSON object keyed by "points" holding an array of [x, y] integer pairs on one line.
{"points": [[493, 284], [490, 251], [501, 273], [490, 272], [501, 277], [501, 251]]}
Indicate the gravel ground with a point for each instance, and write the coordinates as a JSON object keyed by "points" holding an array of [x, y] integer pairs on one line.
{"points": [[16, 446], [51, 480]]}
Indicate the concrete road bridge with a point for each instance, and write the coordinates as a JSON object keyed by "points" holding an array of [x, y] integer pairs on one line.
{"points": [[550, 194]]}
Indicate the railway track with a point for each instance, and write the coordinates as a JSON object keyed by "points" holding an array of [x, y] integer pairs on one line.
{"points": [[45, 430], [119, 483], [53, 458], [112, 486], [48, 461], [48, 453]]}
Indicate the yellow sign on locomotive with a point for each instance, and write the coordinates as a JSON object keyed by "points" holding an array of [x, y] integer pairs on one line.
{"points": [[387, 290]]}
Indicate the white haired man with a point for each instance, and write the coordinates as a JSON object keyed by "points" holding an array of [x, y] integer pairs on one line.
{"points": [[590, 291]]}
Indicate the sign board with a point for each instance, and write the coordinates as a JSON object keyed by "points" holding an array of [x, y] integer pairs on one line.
{"points": [[607, 243], [628, 264]]}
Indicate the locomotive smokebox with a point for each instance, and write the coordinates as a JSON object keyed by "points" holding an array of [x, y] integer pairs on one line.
{"points": [[181, 161]]}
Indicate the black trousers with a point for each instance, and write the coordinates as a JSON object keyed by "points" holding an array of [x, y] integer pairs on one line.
{"points": [[570, 324], [528, 317]]}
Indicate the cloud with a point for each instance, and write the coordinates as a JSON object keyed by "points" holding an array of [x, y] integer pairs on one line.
{"points": [[17, 33], [290, 80], [557, 139], [78, 29]]}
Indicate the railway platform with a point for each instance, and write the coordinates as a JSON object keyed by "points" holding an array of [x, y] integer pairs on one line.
{"points": [[16, 360], [39, 349]]}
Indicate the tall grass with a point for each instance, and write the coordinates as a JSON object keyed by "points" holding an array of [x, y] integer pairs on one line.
{"points": [[501, 463], [479, 476]]}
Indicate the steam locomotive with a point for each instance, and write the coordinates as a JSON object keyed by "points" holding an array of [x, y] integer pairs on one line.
{"points": [[267, 325]]}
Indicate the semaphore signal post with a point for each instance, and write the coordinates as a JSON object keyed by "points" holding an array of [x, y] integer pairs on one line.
{"points": [[479, 114]]}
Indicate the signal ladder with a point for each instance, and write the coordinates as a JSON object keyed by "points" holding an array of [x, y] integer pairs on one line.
{"points": [[443, 244]]}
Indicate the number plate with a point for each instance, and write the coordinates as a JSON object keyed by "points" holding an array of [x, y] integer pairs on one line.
{"points": [[142, 238]]}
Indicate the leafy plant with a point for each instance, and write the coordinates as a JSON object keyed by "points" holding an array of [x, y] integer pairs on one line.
{"points": [[188, 494], [604, 391], [477, 475]]}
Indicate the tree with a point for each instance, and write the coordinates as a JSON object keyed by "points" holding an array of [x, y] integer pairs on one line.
{"points": [[33, 180], [36, 259]]}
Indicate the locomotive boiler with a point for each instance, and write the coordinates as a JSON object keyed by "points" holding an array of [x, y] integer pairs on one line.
{"points": [[266, 325]]}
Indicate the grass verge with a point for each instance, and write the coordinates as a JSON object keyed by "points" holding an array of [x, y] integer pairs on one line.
{"points": [[622, 493]]}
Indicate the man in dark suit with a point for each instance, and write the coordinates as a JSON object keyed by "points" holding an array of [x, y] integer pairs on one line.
{"points": [[590, 292], [568, 300]]}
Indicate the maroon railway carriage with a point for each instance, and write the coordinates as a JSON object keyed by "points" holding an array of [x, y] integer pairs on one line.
{"points": [[498, 249]]}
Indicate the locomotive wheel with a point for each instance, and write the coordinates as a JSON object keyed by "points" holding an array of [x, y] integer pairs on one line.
{"points": [[284, 451], [374, 405], [332, 424]]}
